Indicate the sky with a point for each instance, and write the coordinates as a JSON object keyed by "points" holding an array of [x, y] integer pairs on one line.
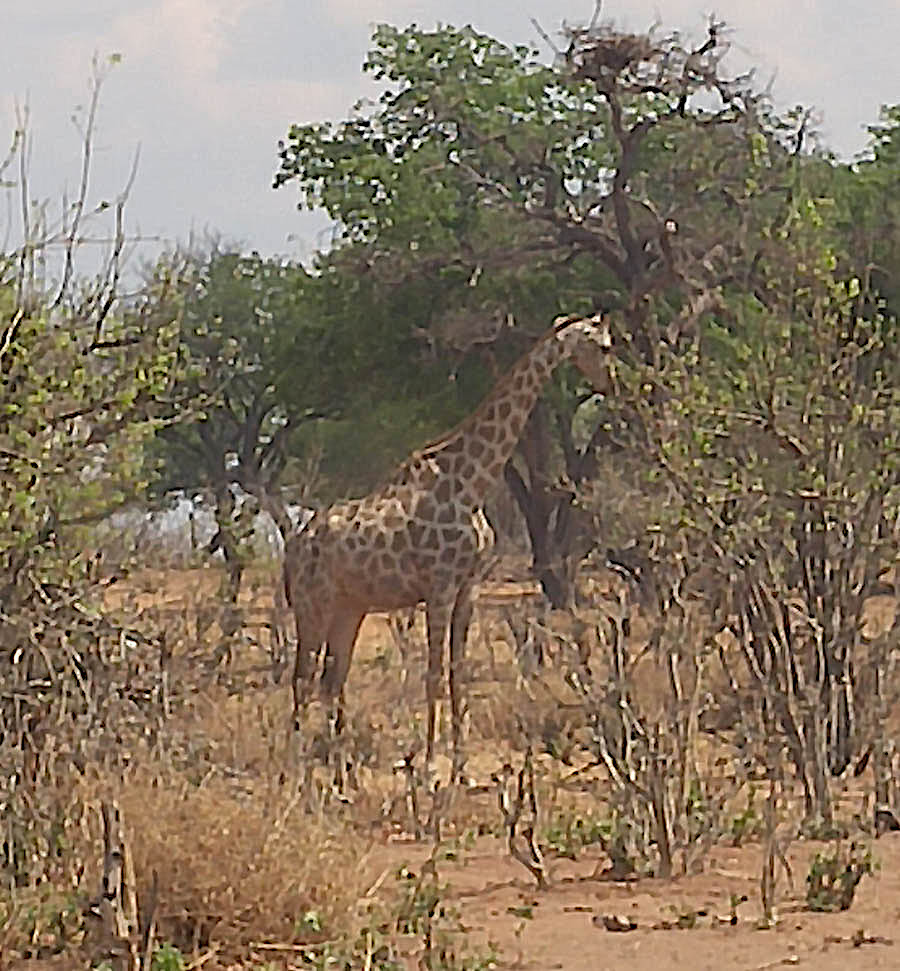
{"points": [[205, 89]]}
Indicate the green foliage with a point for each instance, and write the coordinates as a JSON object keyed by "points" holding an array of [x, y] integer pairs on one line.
{"points": [[430, 185], [310, 923], [867, 194], [420, 901], [833, 877], [753, 414], [569, 833], [480, 160], [166, 957], [370, 949], [285, 362], [40, 922], [379, 390], [238, 313], [456, 99], [747, 822], [79, 402], [419, 912], [80, 398], [773, 444]]}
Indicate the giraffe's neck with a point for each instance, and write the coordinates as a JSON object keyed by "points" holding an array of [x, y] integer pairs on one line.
{"points": [[475, 453]]}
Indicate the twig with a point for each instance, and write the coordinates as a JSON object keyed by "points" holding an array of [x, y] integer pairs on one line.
{"points": [[545, 36], [9, 335], [202, 959], [27, 242], [377, 884], [87, 136], [149, 937], [513, 808], [278, 946], [405, 765]]}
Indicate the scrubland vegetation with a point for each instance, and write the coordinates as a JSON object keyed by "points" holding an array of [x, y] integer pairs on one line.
{"points": [[681, 690]]}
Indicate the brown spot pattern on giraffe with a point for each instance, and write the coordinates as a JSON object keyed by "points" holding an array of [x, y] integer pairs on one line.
{"points": [[425, 508], [422, 535]]}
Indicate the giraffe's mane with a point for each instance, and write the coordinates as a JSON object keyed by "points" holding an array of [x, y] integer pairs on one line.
{"points": [[438, 444]]}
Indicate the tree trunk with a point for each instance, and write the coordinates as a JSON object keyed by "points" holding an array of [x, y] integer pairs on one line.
{"points": [[226, 540], [557, 531]]}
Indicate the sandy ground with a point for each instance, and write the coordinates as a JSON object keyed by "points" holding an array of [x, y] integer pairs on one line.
{"points": [[562, 931]]}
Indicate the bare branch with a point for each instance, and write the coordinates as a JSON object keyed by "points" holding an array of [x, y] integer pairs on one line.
{"points": [[87, 139], [26, 257], [548, 40]]}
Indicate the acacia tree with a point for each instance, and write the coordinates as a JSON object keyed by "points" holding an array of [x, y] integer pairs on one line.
{"points": [[232, 306], [619, 176]]}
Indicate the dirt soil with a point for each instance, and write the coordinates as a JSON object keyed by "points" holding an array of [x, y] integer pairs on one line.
{"points": [[562, 927]]}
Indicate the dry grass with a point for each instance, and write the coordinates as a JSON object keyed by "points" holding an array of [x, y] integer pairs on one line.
{"points": [[232, 871], [252, 852]]}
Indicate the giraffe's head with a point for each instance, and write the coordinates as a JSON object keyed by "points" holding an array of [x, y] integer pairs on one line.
{"points": [[588, 341]]}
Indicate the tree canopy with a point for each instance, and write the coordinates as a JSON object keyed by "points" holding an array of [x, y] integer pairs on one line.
{"points": [[633, 173]]}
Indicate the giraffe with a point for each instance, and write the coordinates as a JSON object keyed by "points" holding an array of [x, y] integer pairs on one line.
{"points": [[423, 535]]}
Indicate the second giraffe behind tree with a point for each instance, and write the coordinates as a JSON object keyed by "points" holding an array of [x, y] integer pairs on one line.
{"points": [[423, 535]]}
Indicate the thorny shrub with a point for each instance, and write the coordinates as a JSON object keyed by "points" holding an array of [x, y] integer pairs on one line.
{"points": [[85, 380]]}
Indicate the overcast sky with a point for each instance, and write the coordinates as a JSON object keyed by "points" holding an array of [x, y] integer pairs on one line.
{"points": [[207, 87]]}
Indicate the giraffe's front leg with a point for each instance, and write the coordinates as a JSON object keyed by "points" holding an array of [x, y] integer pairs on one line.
{"points": [[459, 628], [438, 616], [341, 640]]}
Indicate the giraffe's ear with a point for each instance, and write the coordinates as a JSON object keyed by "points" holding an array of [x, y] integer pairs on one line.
{"points": [[604, 334]]}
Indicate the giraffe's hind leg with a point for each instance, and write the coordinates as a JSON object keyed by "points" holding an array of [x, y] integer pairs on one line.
{"points": [[309, 643], [338, 654], [312, 627]]}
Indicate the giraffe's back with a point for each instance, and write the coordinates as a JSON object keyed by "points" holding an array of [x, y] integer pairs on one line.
{"points": [[387, 552]]}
